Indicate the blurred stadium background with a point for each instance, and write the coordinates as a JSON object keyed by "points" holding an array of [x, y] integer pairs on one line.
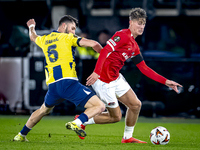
{"points": [[170, 45]]}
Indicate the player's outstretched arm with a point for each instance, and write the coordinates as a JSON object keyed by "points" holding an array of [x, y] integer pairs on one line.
{"points": [[90, 43], [139, 61], [31, 25], [173, 85]]}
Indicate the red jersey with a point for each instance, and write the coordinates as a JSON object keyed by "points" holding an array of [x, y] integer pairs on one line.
{"points": [[119, 48]]}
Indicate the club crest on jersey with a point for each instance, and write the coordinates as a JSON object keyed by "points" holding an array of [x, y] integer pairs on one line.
{"points": [[116, 38]]}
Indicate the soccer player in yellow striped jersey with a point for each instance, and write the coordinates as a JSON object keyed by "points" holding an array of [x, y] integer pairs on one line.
{"points": [[61, 78], [58, 49]]}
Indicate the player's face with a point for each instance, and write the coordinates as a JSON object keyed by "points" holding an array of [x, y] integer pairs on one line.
{"points": [[137, 26], [70, 28]]}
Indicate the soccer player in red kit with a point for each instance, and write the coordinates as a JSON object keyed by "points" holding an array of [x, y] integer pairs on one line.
{"points": [[110, 85]]}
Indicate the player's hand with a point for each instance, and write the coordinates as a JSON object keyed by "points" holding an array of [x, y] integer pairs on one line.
{"points": [[173, 85], [31, 21], [92, 79]]}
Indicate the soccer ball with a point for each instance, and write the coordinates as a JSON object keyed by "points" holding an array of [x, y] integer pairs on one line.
{"points": [[159, 136]]}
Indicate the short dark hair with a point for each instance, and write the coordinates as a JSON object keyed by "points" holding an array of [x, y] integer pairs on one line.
{"points": [[137, 13], [68, 19]]}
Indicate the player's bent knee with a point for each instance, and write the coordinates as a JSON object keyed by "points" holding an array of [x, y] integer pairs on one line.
{"points": [[101, 107], [136, 106], [95, 102], [139, 104], [116, 119]]}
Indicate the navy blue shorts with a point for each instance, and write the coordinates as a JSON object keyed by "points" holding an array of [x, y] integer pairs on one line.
{"points": [[67, 89]]}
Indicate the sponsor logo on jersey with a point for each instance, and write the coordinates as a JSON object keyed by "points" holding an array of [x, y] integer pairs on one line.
{"points": [[125, 55], [116, 38]]}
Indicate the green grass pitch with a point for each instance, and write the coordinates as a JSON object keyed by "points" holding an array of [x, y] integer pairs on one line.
{"points": [[50, 134]]}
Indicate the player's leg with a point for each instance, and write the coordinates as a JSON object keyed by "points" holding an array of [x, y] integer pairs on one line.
{"points": [[82, 96], [114, 114], [35, 117], [106, 93], [94, 106], [127, 96], [133, 104], [51, 98], [111, 116]]}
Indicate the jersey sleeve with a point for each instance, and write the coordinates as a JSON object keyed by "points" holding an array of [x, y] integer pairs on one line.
{"points": [[102, 57], [150, 73], [117, 40], [75, 39], [112, 44], [40, 41]]}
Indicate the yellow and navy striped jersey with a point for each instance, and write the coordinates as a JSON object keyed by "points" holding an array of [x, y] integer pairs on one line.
{"points": [[59, 49]]}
